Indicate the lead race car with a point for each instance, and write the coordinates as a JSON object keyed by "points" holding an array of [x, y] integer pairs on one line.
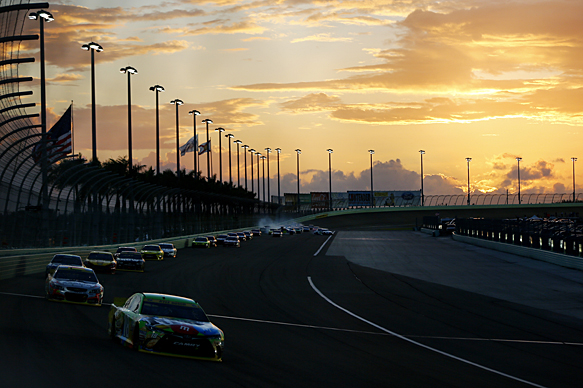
{"points": [[168, 325]]}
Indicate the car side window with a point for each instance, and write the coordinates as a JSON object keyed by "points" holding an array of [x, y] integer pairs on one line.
{"points": [[128, 303], [135, 304]]}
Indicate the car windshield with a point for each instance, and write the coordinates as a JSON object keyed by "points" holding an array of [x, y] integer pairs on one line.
{"points": [[71, 260], [174, 310], [169, 246], [69, 274], [100, 256], [151, 248], [202, 239]]}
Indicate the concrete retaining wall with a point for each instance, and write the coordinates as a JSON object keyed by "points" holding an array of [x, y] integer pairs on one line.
{"points": [[537, 254], [20, 262]]}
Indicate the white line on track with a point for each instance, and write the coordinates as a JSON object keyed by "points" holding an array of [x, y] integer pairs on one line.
{"points": [[318, 251], [419, 343], [353, 331]]}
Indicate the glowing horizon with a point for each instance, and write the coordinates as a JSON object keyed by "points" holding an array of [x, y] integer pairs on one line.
{"points": [[490, 80]]}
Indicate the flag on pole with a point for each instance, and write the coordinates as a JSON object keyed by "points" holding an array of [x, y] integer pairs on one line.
{"points": [[204, 147], [189, 146], [58, 139]]}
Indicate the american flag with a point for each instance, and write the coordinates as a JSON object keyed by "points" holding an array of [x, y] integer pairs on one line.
{"points": [[58, 139]]}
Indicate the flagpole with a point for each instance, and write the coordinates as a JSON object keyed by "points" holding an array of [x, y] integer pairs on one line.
{"points": [[72, 131]]}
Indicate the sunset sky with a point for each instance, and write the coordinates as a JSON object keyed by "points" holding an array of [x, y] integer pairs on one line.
{"points": [[491, 80]]}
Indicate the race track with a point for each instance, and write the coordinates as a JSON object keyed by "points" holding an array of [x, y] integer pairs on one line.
{"points": [[292, 319]]}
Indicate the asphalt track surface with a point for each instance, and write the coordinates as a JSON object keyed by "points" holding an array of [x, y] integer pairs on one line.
{"points": [[293, 319]]}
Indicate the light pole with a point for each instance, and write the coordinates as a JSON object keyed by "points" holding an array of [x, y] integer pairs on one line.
{"points": [[208, 152], [129, 71], [468, 160], [245, 146], [268, 151], [230, 136], [298, 151], [518, 159], [92, 46], [43, 16], [157, 89], [263, 166], [258, 182], [278, 187], [195, 113], [220, 129], [371, 152], [251, 151], [238, 165], [574, 160], [330, 150], [422, 194], [177, 102]]}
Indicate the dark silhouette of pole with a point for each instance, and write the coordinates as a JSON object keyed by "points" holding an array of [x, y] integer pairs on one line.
{"points": [[268, 151], [468, 160], [93, 47], [43, 16], [518, 160], [208, 153], [177, 102], [263, 166], [157, 89], [129, 71], [245, 153], [230, 136], [220, 154], [574, 160], [278, 185], [252, 151], [195, 113], [258, 176], [330, 177], [371, 152], [422, 194], [238, 164], [298, 152]]}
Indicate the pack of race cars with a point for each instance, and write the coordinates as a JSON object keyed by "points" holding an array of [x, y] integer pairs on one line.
{"points": [[149, 322]]}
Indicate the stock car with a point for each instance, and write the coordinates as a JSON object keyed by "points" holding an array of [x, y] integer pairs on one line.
{"points": [[232, 241], [212, 240], [75, 285], [169, 249], [152, 252], [124, 249], [101, 261], [166, 324], [131, 261], [60, 259], [201, 242]]}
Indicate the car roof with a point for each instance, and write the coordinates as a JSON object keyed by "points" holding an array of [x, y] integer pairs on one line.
{"points": [[74, 268], [65, 255], [166, 297]]}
